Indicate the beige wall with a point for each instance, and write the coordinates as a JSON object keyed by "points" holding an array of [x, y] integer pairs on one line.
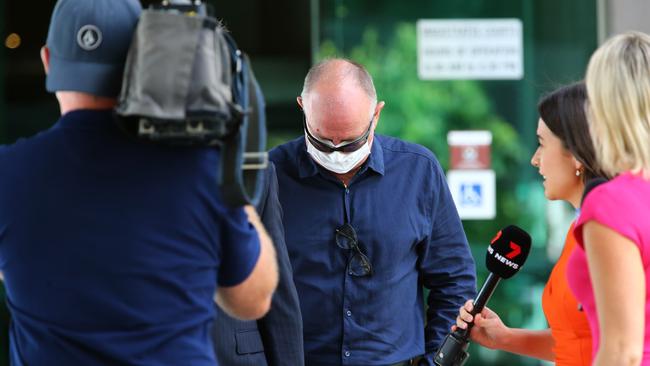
{"points": [[623, 15]]}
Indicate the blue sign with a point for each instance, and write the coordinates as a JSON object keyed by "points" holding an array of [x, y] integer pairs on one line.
{"points": [[470, 194], [474, 193]]}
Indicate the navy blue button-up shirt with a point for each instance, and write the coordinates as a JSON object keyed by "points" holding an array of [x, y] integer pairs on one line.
{"points": [[406, 222]]}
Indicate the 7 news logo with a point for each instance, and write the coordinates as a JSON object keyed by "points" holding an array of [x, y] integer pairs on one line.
{"points": [[506, 259]]}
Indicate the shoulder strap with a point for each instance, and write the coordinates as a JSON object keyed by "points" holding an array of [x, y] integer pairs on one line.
{"points": [[244, 155]]}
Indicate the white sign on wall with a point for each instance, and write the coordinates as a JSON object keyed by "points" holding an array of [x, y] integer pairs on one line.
{"points": [[488, 49], [474, 193]]}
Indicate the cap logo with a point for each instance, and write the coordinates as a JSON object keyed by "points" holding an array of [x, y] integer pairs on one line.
{"points": [[89, 37]]}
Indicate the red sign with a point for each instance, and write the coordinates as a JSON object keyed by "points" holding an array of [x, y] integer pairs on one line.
{"points": [[470, 149], [470, 157]]}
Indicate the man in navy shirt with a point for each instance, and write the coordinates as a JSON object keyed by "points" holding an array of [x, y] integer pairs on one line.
{"points": [[368, 219], [112, 250]]}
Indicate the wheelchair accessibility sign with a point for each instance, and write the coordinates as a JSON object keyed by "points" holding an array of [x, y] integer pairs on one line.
{"points": [[470, 194], [474, 193]]}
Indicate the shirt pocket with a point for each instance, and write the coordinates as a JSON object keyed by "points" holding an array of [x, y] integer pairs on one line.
{"points": [[248, 341]]}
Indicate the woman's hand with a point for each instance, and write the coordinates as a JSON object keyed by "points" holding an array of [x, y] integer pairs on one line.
{"points": [[488, 329]]}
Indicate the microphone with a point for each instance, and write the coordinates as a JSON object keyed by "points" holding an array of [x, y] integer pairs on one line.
{"points": [[505, 255]]}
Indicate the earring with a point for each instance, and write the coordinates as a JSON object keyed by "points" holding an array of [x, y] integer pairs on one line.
{"points": [[577, 172]]}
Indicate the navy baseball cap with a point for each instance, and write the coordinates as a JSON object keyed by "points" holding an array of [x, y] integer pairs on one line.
{"points": [[88, 42]]}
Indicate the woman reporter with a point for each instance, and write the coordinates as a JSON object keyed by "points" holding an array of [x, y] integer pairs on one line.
{"points": [[566, 160]]}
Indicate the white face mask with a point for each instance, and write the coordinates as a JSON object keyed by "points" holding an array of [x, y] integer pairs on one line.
{"points": [[338, 162]]}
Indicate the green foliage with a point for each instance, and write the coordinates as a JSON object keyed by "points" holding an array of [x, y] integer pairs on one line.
{"points": [[425, 111]]}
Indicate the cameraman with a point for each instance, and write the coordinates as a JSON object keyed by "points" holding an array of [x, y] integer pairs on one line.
{"points": [[112, 249]]}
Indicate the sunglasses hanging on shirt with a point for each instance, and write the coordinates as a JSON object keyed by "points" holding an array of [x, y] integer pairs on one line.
{"points": [[358, 264]]}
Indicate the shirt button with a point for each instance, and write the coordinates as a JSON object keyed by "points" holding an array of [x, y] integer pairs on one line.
{"points": [[350, 273], [347, 353], [348, 313]]}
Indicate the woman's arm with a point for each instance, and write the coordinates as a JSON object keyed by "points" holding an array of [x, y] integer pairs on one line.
{"points": [[618, 280], [489, 331], [531, 343]]}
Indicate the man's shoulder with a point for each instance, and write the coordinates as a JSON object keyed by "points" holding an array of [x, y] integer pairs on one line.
{"points": [[26, 146], [397, 148], [286, 153]]}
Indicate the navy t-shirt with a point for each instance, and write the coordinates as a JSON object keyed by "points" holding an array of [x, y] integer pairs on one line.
{"points": [[112, 249]]}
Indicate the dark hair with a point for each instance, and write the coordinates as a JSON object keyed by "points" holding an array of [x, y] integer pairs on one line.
{"points": [[563, 111]]}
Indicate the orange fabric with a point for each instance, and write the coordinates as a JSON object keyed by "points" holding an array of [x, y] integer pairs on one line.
{"points": [[568, 324]]}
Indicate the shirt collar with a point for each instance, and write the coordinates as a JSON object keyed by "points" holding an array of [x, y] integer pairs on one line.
{"points": [[86, 119], [307, 167]]}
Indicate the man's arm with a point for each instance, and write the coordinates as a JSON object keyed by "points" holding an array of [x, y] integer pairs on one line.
{"points": [[447, 267], [251, 299], [281, 328]]}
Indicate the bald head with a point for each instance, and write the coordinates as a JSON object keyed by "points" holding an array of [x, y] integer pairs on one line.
{"points": [[341, 74], [339, 100]]}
